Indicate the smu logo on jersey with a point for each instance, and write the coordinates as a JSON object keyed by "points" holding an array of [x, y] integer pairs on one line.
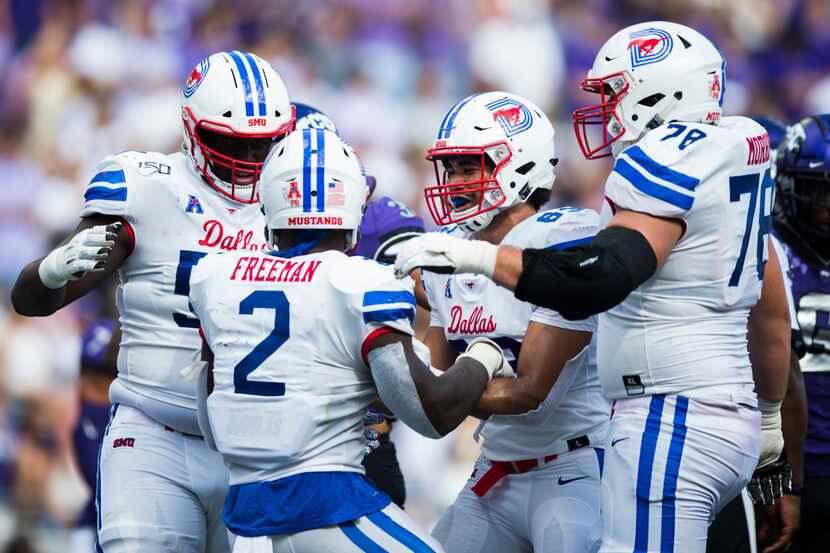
{"points": [[196, 77], [193, 205], [474, 323], [514, 117], [215, 237], [649, 46], [123, 442]]}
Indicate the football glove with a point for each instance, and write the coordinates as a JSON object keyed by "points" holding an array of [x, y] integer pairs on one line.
{"points": [[441, 253], [86, 251], [771, 482]]}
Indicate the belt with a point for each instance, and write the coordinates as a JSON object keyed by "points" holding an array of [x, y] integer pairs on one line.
{"points": [[500, 469]]}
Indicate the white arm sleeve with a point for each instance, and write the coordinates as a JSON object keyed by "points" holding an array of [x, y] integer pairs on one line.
{"points": [[390, 369]]}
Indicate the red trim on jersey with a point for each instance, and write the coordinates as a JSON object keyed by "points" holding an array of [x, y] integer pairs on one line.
{"points": [[367, 341], [131, 233], [202, 334]]}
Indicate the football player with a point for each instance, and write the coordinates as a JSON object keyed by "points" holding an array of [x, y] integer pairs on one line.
{"points": [[97, 373], [385, 225], [802, 221], [735, 530], [150, 217], [678, 273], [536, 485], [298, 343]]}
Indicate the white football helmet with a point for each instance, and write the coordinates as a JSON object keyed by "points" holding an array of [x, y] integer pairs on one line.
{"points": [[502, 130], [313, 180], [234, 108], [647, 74]]}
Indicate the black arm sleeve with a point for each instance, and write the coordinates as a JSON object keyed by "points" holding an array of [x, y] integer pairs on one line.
{"points": [[590, 279]]}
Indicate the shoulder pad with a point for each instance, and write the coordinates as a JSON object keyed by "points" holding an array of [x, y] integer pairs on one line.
{"points": [[559, 228]]}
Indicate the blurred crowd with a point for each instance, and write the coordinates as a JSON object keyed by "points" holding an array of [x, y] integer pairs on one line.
{"points": [[83, 79]]}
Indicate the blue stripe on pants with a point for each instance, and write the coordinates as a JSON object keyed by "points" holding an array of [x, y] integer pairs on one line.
{"points": [[360, 539], [407, 538], [678, 437], [645, 468]]}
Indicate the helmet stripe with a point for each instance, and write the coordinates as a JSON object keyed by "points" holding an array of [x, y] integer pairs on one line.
{"points": [[260, 90], [722, 82], [446, 125], [321, 170], [306, 170], [246, 82]]}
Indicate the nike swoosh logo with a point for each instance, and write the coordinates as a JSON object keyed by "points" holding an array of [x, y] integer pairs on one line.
{"points": [[610, 59], [563, 482], [613, 443], [814, 164]]}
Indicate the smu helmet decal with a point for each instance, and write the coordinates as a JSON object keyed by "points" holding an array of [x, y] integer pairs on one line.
{"points": [[649, 46], [513, 116], [196, 77]]}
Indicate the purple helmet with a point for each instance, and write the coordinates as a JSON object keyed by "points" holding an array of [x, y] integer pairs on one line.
{"points": [[386, 223], [95, 343]]}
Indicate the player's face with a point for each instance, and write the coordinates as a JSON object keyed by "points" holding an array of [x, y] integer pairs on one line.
{"points": [[466, 169], [252, 150]]}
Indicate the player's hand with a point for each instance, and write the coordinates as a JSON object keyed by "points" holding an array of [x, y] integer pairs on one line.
{"points": [[781, 522], [372, 417], [770, 482], [86, 251], [489, 354], [440, 253]]}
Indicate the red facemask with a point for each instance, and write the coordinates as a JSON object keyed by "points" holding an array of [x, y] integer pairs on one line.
{"points": [[241, 174], [444, 196], [601, 115]]}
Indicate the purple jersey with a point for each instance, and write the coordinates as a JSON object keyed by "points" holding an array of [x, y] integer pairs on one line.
{"points": [[811, 292], [86, 439], [386, 223]]}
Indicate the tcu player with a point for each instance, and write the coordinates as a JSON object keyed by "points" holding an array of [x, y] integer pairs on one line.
{"points": [[802, 221], [680, 270], [536, 486], [299, 342], [151, 216], [97, 372]]}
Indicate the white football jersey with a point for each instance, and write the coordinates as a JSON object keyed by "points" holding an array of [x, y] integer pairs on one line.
{"points": [[468, 306], [175, 219], [684, 329], [289, 338]]}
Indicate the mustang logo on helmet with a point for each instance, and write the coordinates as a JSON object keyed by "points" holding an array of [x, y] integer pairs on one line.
{"points": [[513, 116], [196, 77], [649, 46]]}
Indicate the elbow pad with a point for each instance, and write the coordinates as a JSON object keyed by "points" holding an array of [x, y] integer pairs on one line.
{"points": [[390, 370], [583, 281]]}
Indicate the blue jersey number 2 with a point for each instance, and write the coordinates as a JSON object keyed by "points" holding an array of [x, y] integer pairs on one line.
{"points": [[262, 299], [738, 187]]}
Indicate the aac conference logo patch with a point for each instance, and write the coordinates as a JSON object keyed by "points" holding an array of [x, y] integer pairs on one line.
{"points": [[514, 117], [196, 77], [649, 46]]}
